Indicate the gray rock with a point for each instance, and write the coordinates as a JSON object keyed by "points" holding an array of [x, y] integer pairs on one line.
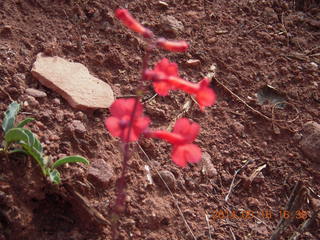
{"points": [[172, 24], [77, 127], [168, 177], [208, 168], [100, 173], [35, 93], [32, 101], [310, 142], [56, 101]]}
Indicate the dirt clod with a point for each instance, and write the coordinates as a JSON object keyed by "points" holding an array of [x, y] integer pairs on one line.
{"points": [[310, 143]]}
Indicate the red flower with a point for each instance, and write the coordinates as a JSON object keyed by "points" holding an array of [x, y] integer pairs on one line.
{"points": [[205, 96], [174, 46], [165, 78], [187, 153], [119, 123], [125, 17], [181, 138], [162, 70]]}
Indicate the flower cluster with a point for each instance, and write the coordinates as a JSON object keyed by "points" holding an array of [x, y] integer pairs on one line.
{"points": [[127, 120], [165, 78]]}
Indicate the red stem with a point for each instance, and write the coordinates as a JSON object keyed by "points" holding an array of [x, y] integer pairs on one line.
{"points": [[119, 206]]}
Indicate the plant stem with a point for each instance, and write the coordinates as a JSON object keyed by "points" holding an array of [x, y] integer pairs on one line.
{"points": [[121, 185]]}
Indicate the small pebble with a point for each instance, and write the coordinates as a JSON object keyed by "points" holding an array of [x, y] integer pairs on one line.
{"points": [[193, 62], [32, 101], [207, 166], [56, 101], [35, 93], [168, 177], [212, 40]]}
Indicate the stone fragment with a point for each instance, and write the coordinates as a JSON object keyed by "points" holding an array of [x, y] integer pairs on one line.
{"points": [[163, 4], [32, 101], [207, 167], [212, 40], [6, 30], [100, 173], [172, 24], [310, 142], [271, 14], [56, 101], [59, 115], [35, 93], [238, 128], [253, 202], [73, 82], [77, 127], [168, 177], [81, 116], [193, 62]]}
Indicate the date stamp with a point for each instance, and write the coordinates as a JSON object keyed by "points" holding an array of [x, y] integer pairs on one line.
{"points": [[262, 214]]}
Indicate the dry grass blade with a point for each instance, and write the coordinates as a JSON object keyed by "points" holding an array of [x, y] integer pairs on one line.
{"points": [[256, 111], [233, 179], [185, 108], [256, 172], [167, 187], [209, 226]]}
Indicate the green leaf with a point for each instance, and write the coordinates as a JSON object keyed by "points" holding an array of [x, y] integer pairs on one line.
{"points": [[16, 135], [25, 122], [54, 176], [10, 116], [69, 159], [37, 145], [33, 140], [30, 136], [38, 156], [18, 151]]}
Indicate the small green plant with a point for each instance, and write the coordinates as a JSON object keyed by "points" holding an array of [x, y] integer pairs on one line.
{"points": [[26, 142]]}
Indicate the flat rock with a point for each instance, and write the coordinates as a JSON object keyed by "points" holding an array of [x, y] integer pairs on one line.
{"points": [[73, 82], [310, 142]]}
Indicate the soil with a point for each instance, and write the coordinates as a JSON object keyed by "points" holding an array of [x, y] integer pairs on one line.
{"points": [[252, 45]]}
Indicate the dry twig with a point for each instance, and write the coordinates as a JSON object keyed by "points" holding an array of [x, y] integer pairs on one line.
{"points": [[6, 93], [256, 111], [209, 226], [234, 177]]}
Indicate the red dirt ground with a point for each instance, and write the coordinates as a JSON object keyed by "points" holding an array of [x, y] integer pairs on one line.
{"points": [[251, 43]]}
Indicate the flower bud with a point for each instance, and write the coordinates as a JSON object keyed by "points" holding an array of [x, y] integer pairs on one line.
{"points": [[125, 17], [174, 46]]}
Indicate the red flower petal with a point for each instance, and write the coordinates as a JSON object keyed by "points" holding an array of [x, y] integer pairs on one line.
{"points": [[189, 130], [112, 124], [187, 153], [167, 68], [161, 87], [123, 106], [118, 124], [140, 125], [206, 96]]}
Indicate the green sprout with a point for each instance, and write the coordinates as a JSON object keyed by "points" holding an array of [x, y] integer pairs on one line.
{"points": [[28, 143]]}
